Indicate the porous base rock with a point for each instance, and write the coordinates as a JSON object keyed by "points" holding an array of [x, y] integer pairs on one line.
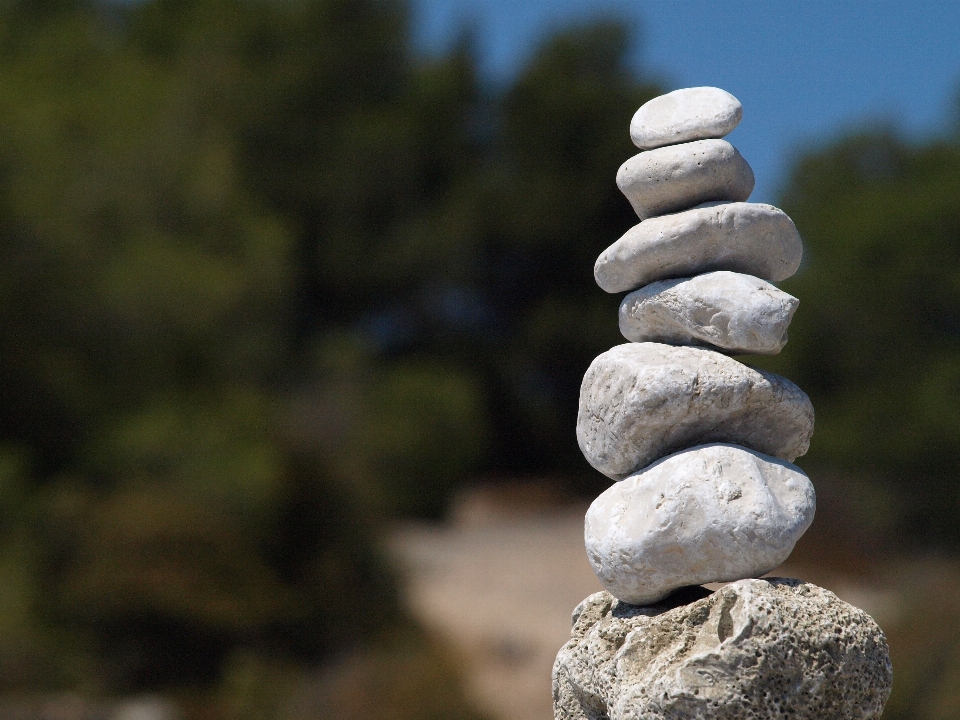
{"points": [[753, 650]]}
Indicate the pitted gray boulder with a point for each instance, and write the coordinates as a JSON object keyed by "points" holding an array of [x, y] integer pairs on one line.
{"points": [[733, 312], [683, 115], [753, 650], [641, 401], [678, 177], [712, 513], [751, 238]]}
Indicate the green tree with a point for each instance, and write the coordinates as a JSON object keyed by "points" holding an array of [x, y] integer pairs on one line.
{"points": [[876, 341], [545, 211], [147, 293]]}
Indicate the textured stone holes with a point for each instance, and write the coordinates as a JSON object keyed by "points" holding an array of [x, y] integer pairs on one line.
{"points": [[725, 624]]}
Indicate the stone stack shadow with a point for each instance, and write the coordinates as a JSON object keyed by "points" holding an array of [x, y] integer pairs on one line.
{"points": [[701, 447]]}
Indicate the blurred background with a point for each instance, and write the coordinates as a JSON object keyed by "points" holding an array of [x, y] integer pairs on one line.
{"points": [[295, 301]]}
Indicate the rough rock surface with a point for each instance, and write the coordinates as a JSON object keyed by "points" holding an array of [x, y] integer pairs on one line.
{"points": [[753, 650], [678, 177], [752, 238], [731, 311], [713, 513], [683, 115], [641, 401]]}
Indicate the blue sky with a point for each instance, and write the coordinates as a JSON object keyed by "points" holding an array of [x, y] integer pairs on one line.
{"points": [[804, 71]]}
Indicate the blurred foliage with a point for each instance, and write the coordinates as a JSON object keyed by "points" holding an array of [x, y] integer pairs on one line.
{"points": [[876, 341], [269, 279]]}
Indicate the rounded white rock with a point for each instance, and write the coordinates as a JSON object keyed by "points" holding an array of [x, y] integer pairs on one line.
{"points": [[734, 312], [683, 115], [713, 513], [641, 401], [752, 238], [678, 177]]}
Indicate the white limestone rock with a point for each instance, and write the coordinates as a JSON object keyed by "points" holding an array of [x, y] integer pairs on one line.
{"points": [[678, 177], [683, 115], [731, 311], [712, 513], [754, 650], [751, 238], [641, 401]]}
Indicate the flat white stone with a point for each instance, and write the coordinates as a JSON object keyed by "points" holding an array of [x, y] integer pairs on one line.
{"points": [[711, 513], [754, 650], [641, 401], [683, 115], [752, 238], [677, 177], [731, 311]]}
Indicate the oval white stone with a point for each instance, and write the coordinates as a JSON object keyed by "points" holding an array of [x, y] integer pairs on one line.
{"points": [[684, 115], [731, 311], [713, 513], [678, 177], [641, 401], [752, 238]]}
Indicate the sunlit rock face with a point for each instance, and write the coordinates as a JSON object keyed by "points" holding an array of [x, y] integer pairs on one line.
{"points": [[684, 115], [641, 401], [678, 177], [755, 649], [733, 312], [751, 238], [712, 513]]}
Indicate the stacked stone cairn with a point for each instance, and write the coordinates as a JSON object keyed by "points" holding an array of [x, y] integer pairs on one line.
{"points": [[701, 447]]}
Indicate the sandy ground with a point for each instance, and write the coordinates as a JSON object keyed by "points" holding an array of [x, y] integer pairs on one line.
{"points": [[500, 585], [502, 594]]}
